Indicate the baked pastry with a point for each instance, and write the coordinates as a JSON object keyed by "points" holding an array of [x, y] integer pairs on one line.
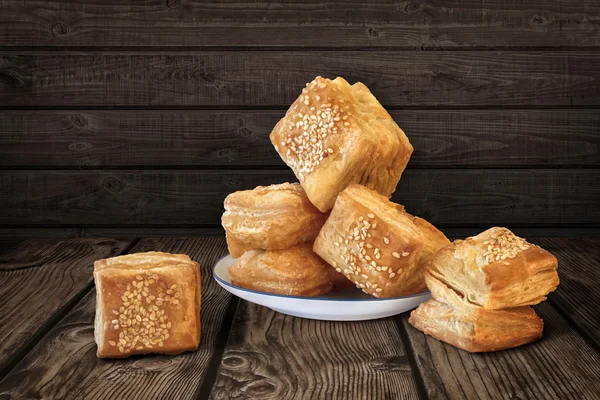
{"points": [[270, 218], [496, 269], [147, 303], [296, 271], [335, 134], [376, 244], [453, 319]]}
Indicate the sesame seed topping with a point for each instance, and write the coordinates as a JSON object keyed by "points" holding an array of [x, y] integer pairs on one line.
{"points": [[379, 290], [371, 216], [141, 315], [503, 245], [405, 253], [386, 240], [392, 275], [396, 254]]}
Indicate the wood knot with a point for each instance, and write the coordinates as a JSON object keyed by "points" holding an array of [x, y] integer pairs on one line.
{"points": [[80, 146], [79, 120], [538, 20], [373, 33], [412, 7], [112, 185], [235, 363], [133, 208], [60, 29], [173, 3], [244, 132], [260, 389]]}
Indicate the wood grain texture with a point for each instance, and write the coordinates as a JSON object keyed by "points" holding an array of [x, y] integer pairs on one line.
{"points": [[275, 78], [561, 365], [38, 282], [194, 139], [273, 356], [411, 24], [579, 271], [64, 364], [182, 198]]}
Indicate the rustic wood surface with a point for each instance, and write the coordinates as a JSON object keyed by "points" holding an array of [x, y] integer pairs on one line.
{"points": [[275, 356], [250, 352], [40, 280], [411, 24], [187, 198], [275, 78], [562, 365], [196, 139], [64, 363], [579, 274]]}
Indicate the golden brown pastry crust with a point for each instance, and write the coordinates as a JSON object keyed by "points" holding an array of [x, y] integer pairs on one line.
{"points": [[496, 269], [147, 303], [296, 271], [335, 134], [270, 218], [376, 244], [453, 319]]}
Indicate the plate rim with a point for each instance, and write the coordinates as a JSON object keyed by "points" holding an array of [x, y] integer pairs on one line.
{"points": [[318, 298]]}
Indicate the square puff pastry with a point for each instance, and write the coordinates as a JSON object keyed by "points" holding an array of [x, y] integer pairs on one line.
{"points": [[496, 269], [296, 271], [335, 134], [376, 244], [270, 218], [147, 303], [453, 319]]}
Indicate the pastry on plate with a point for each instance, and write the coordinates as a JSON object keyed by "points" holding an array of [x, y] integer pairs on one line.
{"points": [[496, 269], [376, 244], [147, 303], [270, 218], [336, 134], [450, 317], [296, 271]]}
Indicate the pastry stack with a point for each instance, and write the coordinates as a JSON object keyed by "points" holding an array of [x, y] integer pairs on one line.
{"points": [[348, 155], [483, 288]]}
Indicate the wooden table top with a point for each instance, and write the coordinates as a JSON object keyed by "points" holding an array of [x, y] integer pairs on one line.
{"points": [[47, 348]]}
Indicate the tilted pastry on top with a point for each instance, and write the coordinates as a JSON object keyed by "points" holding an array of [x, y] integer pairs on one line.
{"points": [[147, 303], [449, 317], [296, 271], [376, 244], [270, 218], [335, 134], [496, 269]]}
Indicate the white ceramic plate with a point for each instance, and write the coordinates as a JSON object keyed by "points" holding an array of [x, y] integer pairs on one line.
{"points": [[347, 305]]}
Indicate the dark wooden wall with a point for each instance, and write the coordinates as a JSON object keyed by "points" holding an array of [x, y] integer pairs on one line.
{"points": [[139, 117]]}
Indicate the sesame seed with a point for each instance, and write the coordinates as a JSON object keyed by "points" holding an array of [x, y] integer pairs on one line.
{"points": [[386, 240], [392, 275], [405, 253], [371, 216], [365, 276], [379, 290], [396, 255], [338, 269], [336, 244]]}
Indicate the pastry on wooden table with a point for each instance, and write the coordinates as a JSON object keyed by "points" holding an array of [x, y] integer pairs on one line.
{"points": [[147, 303], [496, 269], [450, 317], [270, 218], [336, 134], [378, 246], [296, 271]]}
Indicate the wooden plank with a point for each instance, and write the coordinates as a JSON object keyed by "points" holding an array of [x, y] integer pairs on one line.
{"points": [[64, 363], [562, 365], [432, 24], [578, 295], [116, 139], [273, 356], [275, 78], [39, 281], [184, 198]]}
